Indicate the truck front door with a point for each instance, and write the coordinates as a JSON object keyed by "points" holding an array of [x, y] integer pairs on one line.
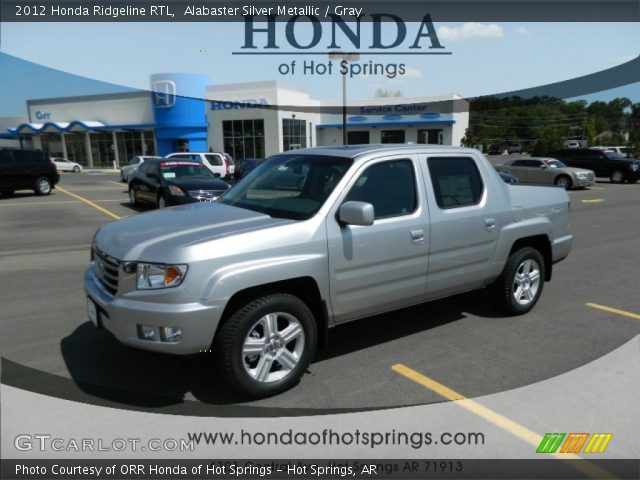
{"points": [[382, 266]]}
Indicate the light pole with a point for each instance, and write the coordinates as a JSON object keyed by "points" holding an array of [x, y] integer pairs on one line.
{"points": [[348, 57]]}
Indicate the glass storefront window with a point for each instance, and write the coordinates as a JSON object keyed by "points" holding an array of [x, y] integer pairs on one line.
{"points": [[294, 134], [392, 136], [244, 138]]}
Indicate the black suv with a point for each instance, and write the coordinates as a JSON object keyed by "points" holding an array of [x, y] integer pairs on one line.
{"points": [[605, 164], [26, 170]]}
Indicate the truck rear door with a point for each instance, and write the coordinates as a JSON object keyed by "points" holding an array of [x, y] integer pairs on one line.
{"points": [[464, 222]]}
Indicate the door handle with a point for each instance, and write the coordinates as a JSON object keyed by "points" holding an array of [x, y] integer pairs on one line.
{"points": [[417, 236], [490, 224]]}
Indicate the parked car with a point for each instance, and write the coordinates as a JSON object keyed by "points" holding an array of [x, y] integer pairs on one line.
{"points": [[514, 148], [64, 165], [162, 182], [573, 144], [245, 165], [127, 171], [603, 163], [495, 149], [315, 238], [622, 151], [26, 170], [548, 171], [220, 163]]}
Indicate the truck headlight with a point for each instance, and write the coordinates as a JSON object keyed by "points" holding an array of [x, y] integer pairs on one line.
{"points": [[155, 275]]}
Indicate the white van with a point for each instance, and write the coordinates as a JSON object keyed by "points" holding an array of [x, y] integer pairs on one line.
{"points": [[221, 164]]}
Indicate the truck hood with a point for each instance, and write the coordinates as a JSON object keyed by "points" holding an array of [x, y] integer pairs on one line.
{"points": [[159, 235]]}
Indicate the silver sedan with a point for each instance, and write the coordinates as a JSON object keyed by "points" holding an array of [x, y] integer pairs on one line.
{"points": [[547, 171]]}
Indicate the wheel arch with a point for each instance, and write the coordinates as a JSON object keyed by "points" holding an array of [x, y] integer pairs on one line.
{"points": [[305, 288], [540, 243]]}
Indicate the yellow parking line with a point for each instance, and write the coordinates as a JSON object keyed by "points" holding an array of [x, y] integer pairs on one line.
{"points": [[31, 204], [617, 311], [523, 433], [89, 202], [593, 200]]}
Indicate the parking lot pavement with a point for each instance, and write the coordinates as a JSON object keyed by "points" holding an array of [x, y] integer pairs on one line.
{"points": [[460, 342]]}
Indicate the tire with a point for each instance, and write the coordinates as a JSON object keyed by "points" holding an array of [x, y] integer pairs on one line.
{"points": [[133, 199], [617, 176], [563, 181], [524, 268], [274, 365], [161, 201], [76, 169], [42, 186]]}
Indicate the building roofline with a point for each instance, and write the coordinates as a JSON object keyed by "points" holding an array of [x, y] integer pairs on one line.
{"points": [[89, 98]]}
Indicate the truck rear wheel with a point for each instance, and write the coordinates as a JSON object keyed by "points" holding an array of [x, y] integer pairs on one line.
{"points": [[518, 288], [265, 346]]}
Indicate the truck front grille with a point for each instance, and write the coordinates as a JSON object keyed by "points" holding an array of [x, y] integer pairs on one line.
{"points": [[107, 269], [205, 195]]}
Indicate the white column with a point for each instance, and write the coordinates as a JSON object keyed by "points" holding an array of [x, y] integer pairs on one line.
{"points": [[116, 155], [37, 142], [144, 150], [64, 146], [87, 146]]}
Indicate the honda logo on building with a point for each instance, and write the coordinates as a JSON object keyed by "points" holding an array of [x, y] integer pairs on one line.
{"points": [[164, 93]]}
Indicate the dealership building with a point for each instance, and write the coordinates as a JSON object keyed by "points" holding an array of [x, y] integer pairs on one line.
{"points": [[184, 112]]}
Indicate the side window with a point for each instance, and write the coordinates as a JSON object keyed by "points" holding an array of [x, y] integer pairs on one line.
{"points": [[21, 156], [456, 181], [6, 157], [145, 168], [389, 186], [520, 163]]}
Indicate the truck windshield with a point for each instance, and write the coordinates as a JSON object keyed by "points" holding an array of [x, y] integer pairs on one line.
{"points": [[288, 186]]}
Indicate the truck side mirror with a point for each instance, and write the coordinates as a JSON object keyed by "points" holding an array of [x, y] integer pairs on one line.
{"points": [[356, 213]]}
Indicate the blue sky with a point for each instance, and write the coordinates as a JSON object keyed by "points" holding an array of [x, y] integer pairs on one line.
{"points": [[487, 57]]}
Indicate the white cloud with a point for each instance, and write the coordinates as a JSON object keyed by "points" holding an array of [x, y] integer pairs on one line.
{"points": [[470, 30], [412, 73], [523, 31]]}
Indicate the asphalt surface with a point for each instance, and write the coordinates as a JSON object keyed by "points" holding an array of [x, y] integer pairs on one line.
{"points": [[461, 342]]}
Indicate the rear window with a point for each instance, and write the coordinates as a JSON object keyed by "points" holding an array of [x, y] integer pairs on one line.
{"points": [[185, 170], [214, 159]]}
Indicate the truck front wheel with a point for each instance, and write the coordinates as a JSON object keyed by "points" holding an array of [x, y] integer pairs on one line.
{"points": [[265, 346], [518, 288]]}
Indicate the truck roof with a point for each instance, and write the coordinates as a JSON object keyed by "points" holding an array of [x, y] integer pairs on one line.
{"points": [[353, 151]]}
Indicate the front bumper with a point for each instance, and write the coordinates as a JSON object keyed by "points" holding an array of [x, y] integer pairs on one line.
{"points": [[122, 315], [584, 182]]}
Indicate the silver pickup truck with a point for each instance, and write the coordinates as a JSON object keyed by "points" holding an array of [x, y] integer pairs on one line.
{"points": [[314, 238]]}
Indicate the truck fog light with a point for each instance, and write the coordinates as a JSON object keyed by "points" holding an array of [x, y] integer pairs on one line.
{"points": [[171, 334], [146, 332]]}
